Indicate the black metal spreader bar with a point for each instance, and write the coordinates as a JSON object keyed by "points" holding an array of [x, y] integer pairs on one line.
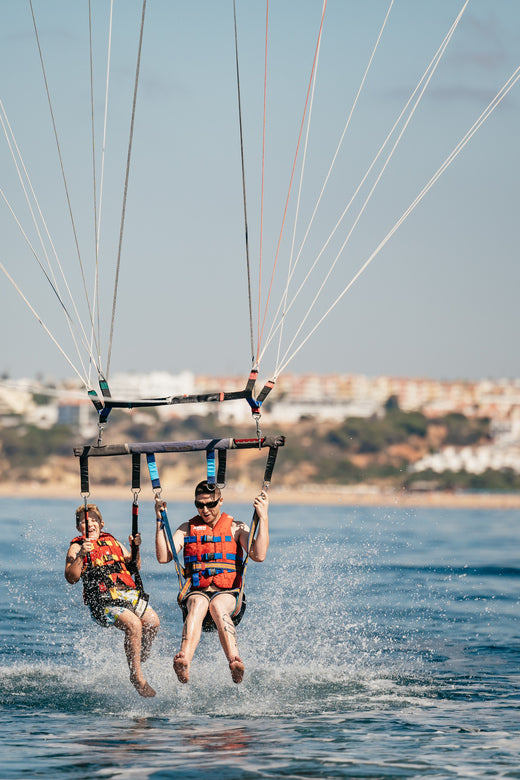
{"points": [[106, 450]]}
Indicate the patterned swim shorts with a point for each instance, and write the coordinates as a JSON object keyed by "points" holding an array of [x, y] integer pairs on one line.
{"points": [[132, 600]]}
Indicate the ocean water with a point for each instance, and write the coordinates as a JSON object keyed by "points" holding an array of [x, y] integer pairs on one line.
{"points": [[378, 643]]}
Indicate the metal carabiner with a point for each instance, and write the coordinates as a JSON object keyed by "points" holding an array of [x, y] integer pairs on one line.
{"points": [[257, 416]]}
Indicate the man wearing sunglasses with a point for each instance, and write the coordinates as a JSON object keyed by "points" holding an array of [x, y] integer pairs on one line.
{"points": [[213, 546]]}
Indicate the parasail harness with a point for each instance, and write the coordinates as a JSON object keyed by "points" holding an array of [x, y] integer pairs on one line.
{"points": [[215, 479], [106, 403], [216, 458], [99, 577]]}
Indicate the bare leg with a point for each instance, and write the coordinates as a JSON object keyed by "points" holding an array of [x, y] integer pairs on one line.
{"points": [[150, 627], [197, 609], [221, 608], [131, 625]]}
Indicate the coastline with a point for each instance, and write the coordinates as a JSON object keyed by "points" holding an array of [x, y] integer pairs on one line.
{"points": [[308, 496]]}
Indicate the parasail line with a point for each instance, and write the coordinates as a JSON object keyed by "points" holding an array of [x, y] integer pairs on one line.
{"points": [[125, 192], [290, 269], [447, 162], [93, 136], [53, 288], [97, 305], [46, 329], [292, 176], [426, 78], [244, 199], [20, 166], [340, 143], [58, 146], [262, 187]]}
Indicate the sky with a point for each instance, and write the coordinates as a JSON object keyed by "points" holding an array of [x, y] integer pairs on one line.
{"points": [[438, 300]]}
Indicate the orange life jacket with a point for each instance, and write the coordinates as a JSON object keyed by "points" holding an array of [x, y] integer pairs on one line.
{"points": [[107, 565], [211, 555]]}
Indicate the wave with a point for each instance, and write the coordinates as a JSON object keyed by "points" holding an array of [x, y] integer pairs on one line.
{"points": [[268, 690], [460, 570]]}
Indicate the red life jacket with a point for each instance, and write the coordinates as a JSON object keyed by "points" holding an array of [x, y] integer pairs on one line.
{"points": [[108, 566], [211, 555]]}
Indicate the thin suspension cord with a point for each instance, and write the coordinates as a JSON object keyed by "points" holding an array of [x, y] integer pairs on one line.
{"points": [[447, 162], [424, 81], [127, 174], [262, 192], [340, 143], [291, 179], [71, 364], [248, 266], [437, 59], [97, 305], [51, 278], [54, 289], [94, 182], [290, 269], [60, 156]]}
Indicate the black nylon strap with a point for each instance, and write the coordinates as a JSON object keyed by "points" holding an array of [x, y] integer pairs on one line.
{"points": [[83, 473], [264, 392], [269, 466], [136, 471], [221, 471], [135, 518], [112, 403], [250, 386], [132, 565]]}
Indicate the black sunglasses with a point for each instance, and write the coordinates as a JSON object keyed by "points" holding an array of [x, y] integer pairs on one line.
{"points": [[208, 504]]}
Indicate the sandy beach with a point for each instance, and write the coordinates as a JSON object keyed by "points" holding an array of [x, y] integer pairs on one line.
{"points": [[330, 495]]}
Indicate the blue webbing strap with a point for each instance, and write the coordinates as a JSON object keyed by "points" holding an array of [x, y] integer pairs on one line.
{"points": [[102, 407], [211, 468], [156, 485]]}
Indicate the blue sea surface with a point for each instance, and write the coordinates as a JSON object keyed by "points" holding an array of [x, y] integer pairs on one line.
{"points": [[378, 643]]}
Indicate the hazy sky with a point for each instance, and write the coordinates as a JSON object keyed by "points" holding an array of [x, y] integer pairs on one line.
{"points": [[440, 298]]}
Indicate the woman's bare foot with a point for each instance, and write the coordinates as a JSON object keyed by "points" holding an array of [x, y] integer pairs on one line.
{"points": [[142, 687], [181, 667], [237, 669]]}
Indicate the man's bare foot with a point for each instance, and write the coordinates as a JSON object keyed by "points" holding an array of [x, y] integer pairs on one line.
{"points": [[237, 669], [181, 667], [142, 687]]}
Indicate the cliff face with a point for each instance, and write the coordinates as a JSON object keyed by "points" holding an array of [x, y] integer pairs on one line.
{"points": [[376, 451]]}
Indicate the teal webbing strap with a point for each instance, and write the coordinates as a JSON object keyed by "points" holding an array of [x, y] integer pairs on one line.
{"points": [[211, 467], [156, 484], [152, 468]]}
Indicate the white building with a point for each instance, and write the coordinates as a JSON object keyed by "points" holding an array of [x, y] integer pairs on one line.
{"points": [[474, 460]]}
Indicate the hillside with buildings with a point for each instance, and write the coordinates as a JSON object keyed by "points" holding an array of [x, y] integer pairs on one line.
{"points": [[342, 430]]}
